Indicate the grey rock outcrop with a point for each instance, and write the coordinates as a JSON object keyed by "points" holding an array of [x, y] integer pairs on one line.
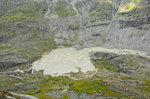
{"points": [[128, 63], [31, 27], [11, 63], [103, 23]]}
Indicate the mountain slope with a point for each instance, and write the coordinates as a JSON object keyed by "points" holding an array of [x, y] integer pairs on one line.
{"points": [[29, 28]]}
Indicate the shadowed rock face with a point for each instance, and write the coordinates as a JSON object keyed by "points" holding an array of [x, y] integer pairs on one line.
{"points": [[8, 63], [3, 38]]}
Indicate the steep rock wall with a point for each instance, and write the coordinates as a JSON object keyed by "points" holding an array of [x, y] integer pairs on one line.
{"points": [[108, 23]]}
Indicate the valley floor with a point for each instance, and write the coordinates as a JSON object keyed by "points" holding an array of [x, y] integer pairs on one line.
{"points": [[98, 73]]}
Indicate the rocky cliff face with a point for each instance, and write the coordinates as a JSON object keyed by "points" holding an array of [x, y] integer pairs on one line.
{"points": [[108, 23], [30, 27]]}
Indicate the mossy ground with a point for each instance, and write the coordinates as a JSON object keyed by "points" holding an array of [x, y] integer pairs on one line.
{"points": [[65, 96], [64, 10], [29, 11], [108, 66], [7, 82], [75, 26], [101, 10], [43, 96], [108, 75], [145, 87], [94, 86], [46, 84]]}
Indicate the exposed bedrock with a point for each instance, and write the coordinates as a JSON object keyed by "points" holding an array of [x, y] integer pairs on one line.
{"points": [[28, 28], [11, 63], [128, 63], [110, 23]]}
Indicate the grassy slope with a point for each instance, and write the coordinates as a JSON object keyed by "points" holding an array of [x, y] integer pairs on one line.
{"points": [[26, 32]]}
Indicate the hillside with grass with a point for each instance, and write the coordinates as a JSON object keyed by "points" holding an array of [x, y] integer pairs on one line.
{"points": [[74, 49]]}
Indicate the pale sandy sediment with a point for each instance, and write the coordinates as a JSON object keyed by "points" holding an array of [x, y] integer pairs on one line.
{"points": [[66, 60]]}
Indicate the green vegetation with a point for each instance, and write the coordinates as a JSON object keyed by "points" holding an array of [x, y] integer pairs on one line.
{"points": [[147, 85], [64, 10], [6, 82], [130, 6], [108, 66], [126, 78], [23, 28], [29, 11], [101, 10], [45, 84], [74, 39], [75, 26], [7, 47], [138, 7], [64, 97], [43, 96], [29, 39], [4, 94], [94, 86], [42, 45]]}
